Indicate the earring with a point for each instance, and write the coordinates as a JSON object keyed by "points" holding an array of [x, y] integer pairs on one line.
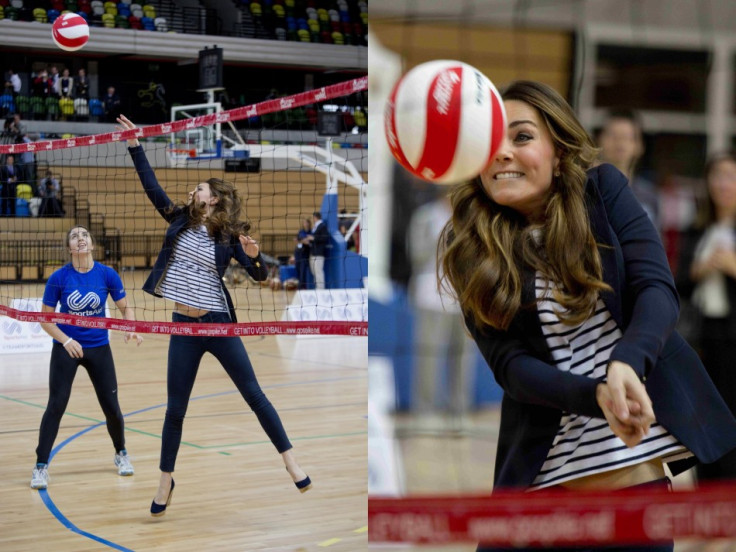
{"points": [[557, 173]]}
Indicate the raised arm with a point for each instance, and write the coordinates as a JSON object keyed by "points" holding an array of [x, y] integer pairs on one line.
{"points": [[153, 189]]}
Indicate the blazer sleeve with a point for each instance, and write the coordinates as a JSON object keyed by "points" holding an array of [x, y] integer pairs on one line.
{"points": [[153, 189], [649, 282], [255, 266], [528, 379]]}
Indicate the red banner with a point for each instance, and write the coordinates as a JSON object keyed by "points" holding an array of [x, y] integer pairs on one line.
{"points": [[269, 106], [240, 329], [557, 518]]}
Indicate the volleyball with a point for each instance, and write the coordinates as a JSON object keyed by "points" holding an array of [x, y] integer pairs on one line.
{"points": [[70, 32], [444, 121]]}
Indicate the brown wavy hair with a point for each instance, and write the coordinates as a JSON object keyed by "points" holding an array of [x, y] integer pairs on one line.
{"points": [[224, 219], [485, 247]]}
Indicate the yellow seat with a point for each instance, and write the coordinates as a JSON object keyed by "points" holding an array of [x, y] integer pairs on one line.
{"points": [[39, 14], [23, 191], [108, 20], [67, 106]]}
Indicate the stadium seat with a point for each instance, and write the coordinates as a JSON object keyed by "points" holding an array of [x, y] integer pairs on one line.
{"points": [[17, 4], [66, 106], [149, 11], [38, 107], [121, 22], [23, 191], [148, 24], [11, 13], [98, 10], [81, 108], [83, 16], [361, 119], [7, 105], [135, 22], [39, 14], [108, 20], [52, 15], [161, 24], [23, 105], [52, 108], [303, 35], [96, 109], [337, 37], [2, 12]]}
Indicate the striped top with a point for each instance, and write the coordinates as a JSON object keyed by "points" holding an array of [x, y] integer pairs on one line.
{"points": [[191, 278], [583, 445]]}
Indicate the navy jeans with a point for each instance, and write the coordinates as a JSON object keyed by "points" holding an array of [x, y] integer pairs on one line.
{"points": [[185, 354]]}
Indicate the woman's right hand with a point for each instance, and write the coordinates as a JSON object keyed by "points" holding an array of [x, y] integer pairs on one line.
{"points": [[126, 124]]}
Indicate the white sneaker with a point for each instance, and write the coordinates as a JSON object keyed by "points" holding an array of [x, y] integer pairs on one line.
{"points": [[122, 461], [40, 477]]}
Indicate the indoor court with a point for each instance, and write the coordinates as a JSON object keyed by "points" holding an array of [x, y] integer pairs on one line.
{"points": [[232, 491]]}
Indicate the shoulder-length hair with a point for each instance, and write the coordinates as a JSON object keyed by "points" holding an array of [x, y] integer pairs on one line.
{"points": [[224, 219], [485, 247]]}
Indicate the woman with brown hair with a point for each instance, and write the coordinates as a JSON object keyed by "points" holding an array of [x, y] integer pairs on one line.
{"points": [[566, 290], [202, 237]]}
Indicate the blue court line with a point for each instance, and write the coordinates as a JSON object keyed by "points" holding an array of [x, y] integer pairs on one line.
{"points": [[61, 517], [51, 506]]}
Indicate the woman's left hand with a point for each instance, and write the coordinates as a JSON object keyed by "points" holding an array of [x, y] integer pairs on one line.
{"points": [[250, 246], [132, 335], [625, 386]]}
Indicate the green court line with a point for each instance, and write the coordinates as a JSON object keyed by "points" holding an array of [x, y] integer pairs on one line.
{"points": [[187, 443]]}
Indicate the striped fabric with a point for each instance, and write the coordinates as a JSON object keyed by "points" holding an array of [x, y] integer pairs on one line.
{"points": [[583, 445], [191, 277]]}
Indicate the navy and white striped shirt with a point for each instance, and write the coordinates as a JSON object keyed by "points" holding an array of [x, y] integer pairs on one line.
{"points": [[191, 278], [583, 445]]}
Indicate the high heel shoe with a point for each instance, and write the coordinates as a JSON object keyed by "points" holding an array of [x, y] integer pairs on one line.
{"points": [[160, 509], [304, 485]]}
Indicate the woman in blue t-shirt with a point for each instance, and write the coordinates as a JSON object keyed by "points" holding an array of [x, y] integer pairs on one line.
{"points": [[81, 287]]}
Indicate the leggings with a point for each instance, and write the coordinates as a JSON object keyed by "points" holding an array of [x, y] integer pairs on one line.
{"points": [[667, 546], [101, 369], [185, 354]]}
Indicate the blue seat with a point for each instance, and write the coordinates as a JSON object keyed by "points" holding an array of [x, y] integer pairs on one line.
{"points": [[96, 108], [7, 105], [21, 208]]}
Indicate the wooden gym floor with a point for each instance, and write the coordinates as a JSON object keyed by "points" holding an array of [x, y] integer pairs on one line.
{"points": [[232, 491]]}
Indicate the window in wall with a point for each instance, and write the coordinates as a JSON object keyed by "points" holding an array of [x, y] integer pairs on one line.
{"points": [[651, 78]]}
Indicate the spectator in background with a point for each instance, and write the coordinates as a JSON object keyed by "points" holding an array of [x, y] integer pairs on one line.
{"points": [[54, 81], [49, 190], [27, 164], [350, 243], [12, 83], [111, 100], [81, 85], [441, 343], [320, 244], [42, 84], [65, 85], [622, 144], [16, 129], [9, 180], [707, 274], [301, 253]]}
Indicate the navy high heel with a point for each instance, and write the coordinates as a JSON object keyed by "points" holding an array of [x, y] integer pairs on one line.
{"points": [[160, 509], [304, 485]]}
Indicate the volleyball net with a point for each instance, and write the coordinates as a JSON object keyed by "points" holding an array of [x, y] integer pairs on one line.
{"points": [[557, 518], [283, 169]]}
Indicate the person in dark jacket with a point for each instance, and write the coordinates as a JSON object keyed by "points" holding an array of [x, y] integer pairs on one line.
{"points": [[320, 244], [203, 235], [565, 287]]}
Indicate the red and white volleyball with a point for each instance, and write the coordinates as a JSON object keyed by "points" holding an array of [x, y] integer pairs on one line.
{"points": [[70, 32], [444, 121]]}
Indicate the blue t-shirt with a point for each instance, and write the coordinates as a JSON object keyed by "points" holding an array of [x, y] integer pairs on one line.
{"points": [[84, 294]]}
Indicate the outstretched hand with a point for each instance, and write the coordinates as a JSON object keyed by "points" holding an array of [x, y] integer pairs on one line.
{"points": [[132, 335], [126, 124], [250, 246]]}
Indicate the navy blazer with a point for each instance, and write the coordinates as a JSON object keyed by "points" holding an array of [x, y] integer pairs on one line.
{"points": [[225, 249], [321, 242], [644, 303]]}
